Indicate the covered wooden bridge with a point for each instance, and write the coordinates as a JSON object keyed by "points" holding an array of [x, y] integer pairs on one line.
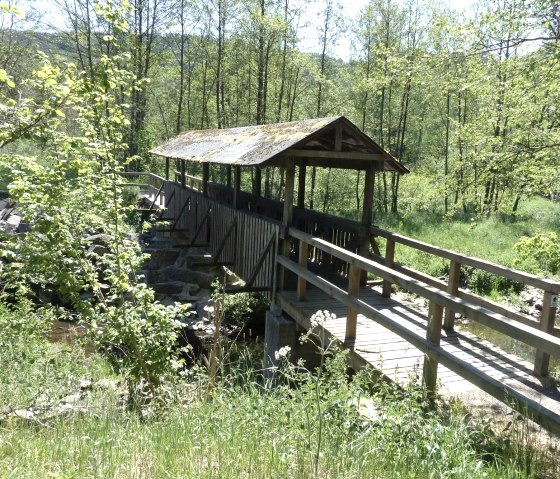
{"points": [[307, 260]]}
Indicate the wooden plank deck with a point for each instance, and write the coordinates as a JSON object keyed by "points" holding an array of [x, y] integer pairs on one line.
{"points": [[398, 360]]}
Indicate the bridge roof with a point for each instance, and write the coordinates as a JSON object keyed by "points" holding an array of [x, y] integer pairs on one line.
{"points": [[328, 142]]}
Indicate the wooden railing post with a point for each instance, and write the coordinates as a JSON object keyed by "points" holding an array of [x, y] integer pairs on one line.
{"points": [[452, 288], [183, 173], [433, 334], [287, 221], [354, 290], [389, 262], [548, 314], [301, 283]]}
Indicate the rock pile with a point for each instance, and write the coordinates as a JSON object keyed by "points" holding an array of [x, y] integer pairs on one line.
{"points": [[11, 220], [182, 274]]}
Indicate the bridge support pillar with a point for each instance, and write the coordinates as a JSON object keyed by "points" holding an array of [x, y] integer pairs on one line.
{"points": [[280, 332]]}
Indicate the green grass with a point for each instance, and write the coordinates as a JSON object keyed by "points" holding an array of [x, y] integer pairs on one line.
{"points": [[241, 429], [492, 239]]}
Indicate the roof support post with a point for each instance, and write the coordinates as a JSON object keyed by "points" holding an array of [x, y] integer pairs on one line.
{"points": [[301, 185], [258, 181], [369, 187], [287, 220], [205, 177], [167, 166], [183, 168], [288, 216], [236, 186]]}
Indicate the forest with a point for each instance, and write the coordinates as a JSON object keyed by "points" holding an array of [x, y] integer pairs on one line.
{"points": [[465, 100], [465, 97]]}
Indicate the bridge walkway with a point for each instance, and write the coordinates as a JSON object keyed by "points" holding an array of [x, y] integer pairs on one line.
{"points": [[400, 361]]}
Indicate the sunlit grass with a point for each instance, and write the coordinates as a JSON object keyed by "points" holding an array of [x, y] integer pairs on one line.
{"points": [[243, 429]]}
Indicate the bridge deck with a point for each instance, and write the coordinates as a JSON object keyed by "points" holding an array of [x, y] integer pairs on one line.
{"points": [[400, 361]]}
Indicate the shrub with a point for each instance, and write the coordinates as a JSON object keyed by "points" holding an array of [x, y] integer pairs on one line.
{"points": [[539, 254]]}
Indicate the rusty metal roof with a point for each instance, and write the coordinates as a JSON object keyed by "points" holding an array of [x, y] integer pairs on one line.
{"points": [[261, 145]]}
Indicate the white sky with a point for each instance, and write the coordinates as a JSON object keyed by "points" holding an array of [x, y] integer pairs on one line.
{"points": [[351, 10], [309, 35]]}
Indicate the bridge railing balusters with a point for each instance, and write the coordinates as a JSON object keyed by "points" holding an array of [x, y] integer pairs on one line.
{"points": [[389, 262], [301, 283], [354, 290], [548, 315], [433, 334], [452, 288]]}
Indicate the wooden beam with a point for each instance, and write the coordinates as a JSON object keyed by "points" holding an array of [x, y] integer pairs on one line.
{"points": [[236, 186], [338, 138], [183, 173], [287, 220], [301, 186], [288, 216], [205, 178], [452, 288], [258, 181], [548, 315], [433, 335], [167, 167], [228, 175], [352, 314], [337, 155], [389, 262], [301, 283], [369, 187]]}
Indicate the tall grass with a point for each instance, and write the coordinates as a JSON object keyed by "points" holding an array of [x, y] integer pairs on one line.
{"points": [[244, 429]]}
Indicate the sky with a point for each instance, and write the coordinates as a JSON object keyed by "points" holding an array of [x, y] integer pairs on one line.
{"points": [[351, 10], [309, 34]]}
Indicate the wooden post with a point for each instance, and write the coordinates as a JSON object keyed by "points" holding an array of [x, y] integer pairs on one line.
{"points": [[452, 288], [389, 262], [183, 179], [301, 283], [228, 175], [258, 181], [205, 177], [236, 187], [433, 334], [301, 186], [367, 210], [369, 185], [287, 219], [167, 167], [548, 314], [351, 314], [288, 216], [338, 138]]}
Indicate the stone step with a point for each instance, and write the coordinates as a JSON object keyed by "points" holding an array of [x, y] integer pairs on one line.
{"points": [[160, 257]]}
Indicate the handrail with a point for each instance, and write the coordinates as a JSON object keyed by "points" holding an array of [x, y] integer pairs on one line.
{"points": [[499, 322], [511, 273]]}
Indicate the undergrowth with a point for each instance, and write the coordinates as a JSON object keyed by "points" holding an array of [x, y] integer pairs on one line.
{"points": [[310, 426]]}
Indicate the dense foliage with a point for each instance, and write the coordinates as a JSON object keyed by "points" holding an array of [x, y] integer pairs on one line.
{"points": [[71, 194], [467, 101], [62, 416]]}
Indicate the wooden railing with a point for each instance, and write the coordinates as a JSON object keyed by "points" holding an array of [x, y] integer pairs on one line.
{"points": [[241, 240], [456, 261], [351, 236], [152, 186], [438, 300]]}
